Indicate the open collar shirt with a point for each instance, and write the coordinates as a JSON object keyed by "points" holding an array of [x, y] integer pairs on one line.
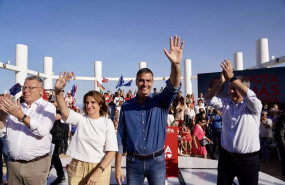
{"points": [[240, 124], [28, 143], [142, 127]]}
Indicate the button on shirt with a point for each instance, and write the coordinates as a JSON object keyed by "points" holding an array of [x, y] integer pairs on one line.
{"points": [[28, 143], [142, 128], [241, 121]]}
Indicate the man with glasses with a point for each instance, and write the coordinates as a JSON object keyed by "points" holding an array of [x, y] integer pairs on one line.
{"points": [[240, 128], [28, 133]]}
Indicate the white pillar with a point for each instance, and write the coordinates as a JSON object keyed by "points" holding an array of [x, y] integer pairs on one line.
{"points": [[98, 74], [142, 64], [187, 76], [238, 61], [22, 64], [262, 51], [48, 61]]}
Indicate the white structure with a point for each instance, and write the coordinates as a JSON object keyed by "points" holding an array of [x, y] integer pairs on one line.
{"points": [[21, 68]]}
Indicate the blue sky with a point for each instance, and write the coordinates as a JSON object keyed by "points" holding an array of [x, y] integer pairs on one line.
{"points": [[122, 33]]}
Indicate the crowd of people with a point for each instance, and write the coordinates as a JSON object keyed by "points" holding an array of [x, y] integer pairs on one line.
{"points": [[237, 128]]}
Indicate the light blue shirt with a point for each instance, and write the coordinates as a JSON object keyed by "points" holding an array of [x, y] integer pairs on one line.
{"points": [[240, 128]]}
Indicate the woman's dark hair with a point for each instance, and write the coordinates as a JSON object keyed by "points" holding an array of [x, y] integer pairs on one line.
{"points": [[99, 98], [199, 118]]}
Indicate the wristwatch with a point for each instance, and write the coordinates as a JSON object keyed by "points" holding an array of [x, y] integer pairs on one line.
{"points": [[233, 79], [22, 119], [102, 168]]}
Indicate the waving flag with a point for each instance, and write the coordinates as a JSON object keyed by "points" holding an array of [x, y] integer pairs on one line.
{"points": [[73, 90], [15, 89], [101, 88], [129, 83], [120, 82], [105, 80]]}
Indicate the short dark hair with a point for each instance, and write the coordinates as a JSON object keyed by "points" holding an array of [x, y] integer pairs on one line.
{"points": [[144, 70]]}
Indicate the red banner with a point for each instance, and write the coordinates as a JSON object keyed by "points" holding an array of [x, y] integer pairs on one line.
{"points": [[171, 152]]}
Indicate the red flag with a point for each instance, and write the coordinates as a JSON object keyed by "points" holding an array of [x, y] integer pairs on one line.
{"points": [[45, 97], [105, 80]]}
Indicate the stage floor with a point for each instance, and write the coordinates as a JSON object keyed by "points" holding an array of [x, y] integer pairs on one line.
{"points": [[193, 171]]}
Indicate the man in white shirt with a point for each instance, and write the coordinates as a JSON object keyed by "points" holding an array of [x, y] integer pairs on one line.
{"points": [[265, 136], [240, 128], [28, 133]]}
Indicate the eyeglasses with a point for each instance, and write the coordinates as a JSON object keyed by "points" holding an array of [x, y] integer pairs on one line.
{"points": [[29, 88]]}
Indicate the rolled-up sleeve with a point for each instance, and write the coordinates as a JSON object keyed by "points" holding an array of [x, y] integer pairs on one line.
{"points": [[111, 139]]}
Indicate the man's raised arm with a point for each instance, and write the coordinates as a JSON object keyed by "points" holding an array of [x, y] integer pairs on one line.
{"points": [[175, 56]]}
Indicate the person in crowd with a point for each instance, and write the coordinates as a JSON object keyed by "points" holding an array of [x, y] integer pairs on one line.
{"points": [[280, 140], [70, 100], [265, 107], [94, 143], [198, 135], [186, 139], [265, 135], [154, 91], [208, 133], [129, 96], [201, 98], [177, 101], [188, 99], [144, 142], [28, 133], [199, 106], [57, 134], [240, 128], [179, 116], [107, 97], [216, 127], [193, 100], [170, 117]]}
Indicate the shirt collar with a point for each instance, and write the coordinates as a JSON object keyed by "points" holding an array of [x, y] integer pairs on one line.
{"points": [[36, 102]]}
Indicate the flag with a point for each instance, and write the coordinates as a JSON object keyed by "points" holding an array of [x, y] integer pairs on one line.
{"points": [[120, 82], [45, 96], [101, 88], [15, 89], [105, 80], [73, 90], [129, 83]]}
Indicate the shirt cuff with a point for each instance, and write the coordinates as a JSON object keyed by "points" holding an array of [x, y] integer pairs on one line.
{"points": [[172, 88], [33, 125], [250, 93], [120, 149]]}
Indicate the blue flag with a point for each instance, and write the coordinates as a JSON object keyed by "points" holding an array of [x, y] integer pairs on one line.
{"points": [[120, 82], [15, 89], [129, 83]]}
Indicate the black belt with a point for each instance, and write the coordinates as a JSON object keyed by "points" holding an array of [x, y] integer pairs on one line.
{"points": [[145, 156], [233, 154], [33, 160]]}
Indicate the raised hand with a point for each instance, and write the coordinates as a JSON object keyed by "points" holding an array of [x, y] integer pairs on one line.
{"points": [[62, 81], [228, 71], [9, 107], [175, 53]]}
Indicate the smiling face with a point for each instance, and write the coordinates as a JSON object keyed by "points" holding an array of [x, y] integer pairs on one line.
{"points": [[92, 107], [32, 91], [144, 83]]}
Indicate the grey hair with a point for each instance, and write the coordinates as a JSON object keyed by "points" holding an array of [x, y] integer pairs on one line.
{"points": [[244, 81], [35, 78]]}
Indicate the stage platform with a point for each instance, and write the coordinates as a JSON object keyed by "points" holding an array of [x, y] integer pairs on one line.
{"points": [[192, 171]]}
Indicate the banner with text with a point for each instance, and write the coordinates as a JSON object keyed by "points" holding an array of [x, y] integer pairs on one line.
{"points": [[171, 152], [268, 83]]}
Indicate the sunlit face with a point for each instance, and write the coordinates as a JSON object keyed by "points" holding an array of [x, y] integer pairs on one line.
{"points": [[32, 91], [144, 83], [234, 94], [91, 106]]}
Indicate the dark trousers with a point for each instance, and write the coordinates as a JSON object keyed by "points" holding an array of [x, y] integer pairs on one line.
{"points": [[244, 167], [4, 152], [55, 161]]}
